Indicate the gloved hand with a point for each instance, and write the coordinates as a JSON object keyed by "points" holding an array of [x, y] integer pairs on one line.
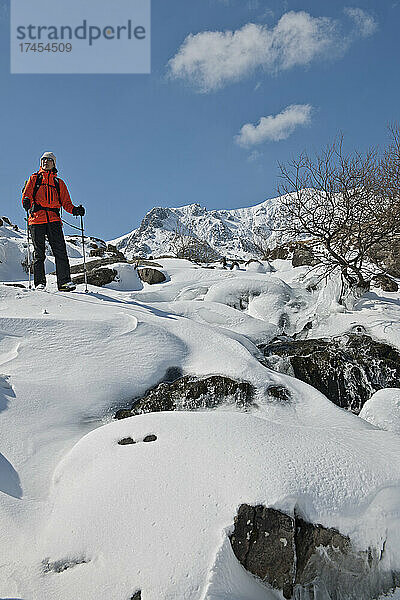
{"points": [[78, 211], [26, 203]]}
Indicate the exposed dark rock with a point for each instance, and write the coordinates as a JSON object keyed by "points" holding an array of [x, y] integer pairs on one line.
{"points": [[7, 220], [90, 241], [113, 250], [191, 393], [17, 285], [386, 283], [387, 258], [58, 566], [263, 542], [126, 441], [150, 438], [300, 253], [97, 252], [1, 222], [15, 227], [279, 392], [143, 262], [94, 264], [137, 595], [303, 256], [151, 276], [98, 277], [306, 560], [348, 369], [281, 252]]}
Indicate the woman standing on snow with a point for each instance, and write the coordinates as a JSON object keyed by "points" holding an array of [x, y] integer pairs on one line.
{"points": [[43, 196]]}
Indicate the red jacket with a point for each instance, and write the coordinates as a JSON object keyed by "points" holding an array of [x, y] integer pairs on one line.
{"points": [[47, 196]]}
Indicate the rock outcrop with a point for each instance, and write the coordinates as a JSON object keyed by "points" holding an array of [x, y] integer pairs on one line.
{"points": [[386, 283], [387, 258], [97, 252], [151, 276], [348, 369], [191, 393], [304, 256], [306, 560], [94, 264], [98, 277]]}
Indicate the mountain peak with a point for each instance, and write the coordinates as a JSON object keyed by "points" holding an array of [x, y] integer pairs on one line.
{"points": [[230, 233]]}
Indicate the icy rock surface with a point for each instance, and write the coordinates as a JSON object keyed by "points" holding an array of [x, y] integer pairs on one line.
{"points": [[192, 393], [293, 555], [347, 369]]}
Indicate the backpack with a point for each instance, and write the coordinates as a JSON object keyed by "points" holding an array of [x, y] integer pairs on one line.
{"points": [[38, 183]]}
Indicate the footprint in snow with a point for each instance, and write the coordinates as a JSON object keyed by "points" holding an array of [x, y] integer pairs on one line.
{"points": [[128, 440]]}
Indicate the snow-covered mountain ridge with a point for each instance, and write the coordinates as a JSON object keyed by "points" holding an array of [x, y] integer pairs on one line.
{"points": [[233, 233]]}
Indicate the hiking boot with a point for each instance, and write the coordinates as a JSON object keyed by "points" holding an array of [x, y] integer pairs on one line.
{"points": [[67, 287], [40, 286]]}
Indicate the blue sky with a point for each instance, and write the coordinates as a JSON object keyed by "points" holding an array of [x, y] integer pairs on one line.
{"points": [[126, 143]]}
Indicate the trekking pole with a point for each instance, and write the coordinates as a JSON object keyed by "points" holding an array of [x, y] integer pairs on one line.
{"points": [[84, 257], [29, 250]]}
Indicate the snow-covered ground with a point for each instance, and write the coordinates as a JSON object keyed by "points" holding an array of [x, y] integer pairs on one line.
{"points": [[83, 517]]}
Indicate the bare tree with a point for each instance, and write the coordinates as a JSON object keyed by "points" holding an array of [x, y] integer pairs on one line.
{"points": [[344, 204]]}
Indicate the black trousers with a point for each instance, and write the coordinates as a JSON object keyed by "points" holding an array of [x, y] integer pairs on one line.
{"points": [[55, 235]]}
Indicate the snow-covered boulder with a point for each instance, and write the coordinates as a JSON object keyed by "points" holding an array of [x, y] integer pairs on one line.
{"points": [[293, 555], [192, 393], [347, 369], [151, 276], [256, 266], [383, 410], [241, 292], [97, 277]]}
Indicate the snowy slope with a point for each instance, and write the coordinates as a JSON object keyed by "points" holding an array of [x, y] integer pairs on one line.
{"points": [[83, 517], [13, 252], [232, 233]]}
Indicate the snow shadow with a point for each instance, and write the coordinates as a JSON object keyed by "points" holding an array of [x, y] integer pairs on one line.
{"points": [[6, 392], [370, 298], [9, 479], [111, 300]]}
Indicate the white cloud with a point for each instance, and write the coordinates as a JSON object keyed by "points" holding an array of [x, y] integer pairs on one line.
{"points": [[211, 59], [275, 127], [365, 24]]}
